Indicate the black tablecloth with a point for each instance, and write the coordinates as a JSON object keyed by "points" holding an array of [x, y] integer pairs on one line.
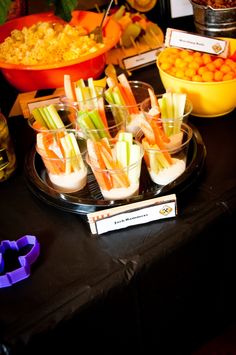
{"points": [[164, 284]]}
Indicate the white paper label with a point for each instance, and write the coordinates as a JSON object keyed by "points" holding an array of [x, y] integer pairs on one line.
{"points": [[140, 216], [185, 40], [41, 103], [140, 60]]}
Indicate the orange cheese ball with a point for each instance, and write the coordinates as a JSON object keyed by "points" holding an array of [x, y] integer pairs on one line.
{"points": [[196, 66]]}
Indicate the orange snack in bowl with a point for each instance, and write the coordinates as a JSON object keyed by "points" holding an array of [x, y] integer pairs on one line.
{"points": [[196, 66]]}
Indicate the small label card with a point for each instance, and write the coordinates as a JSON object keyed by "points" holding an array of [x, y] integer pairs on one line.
{"points": [[27, 105], [141, 59], [186, 40], [25, 101], [132, 214]]}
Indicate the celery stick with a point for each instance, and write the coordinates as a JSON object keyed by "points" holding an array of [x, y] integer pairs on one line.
{"points": [[162, 160], [67, 154], [76, 160], [157, 161], [117, 96], [154, 166], [79, 97], [93, 93], [122, 153], [98, 123], [86, 93], [169, 107], [108, 96], [122, 113], [87, 125], [80, 83], [163, 103], [179, 101], [47, 118], [169, 111], [39, 117], [57, 121], [113, 96], [126, 136], [134, 172]]}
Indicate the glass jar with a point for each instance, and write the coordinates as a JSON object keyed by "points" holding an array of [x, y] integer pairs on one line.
{"points": [[7, 154]]}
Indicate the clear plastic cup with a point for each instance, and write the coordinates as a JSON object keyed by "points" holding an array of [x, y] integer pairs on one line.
{"points": [[63, 154], [120, 182], [88, 102], [167, 161], [151, 112], [131, 113], [108, 124], [67, 113]]}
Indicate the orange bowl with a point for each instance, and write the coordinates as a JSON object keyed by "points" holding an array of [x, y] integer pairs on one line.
{"points": [[35, 77]]}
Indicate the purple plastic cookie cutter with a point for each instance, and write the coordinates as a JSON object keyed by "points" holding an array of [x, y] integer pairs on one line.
{"points": [[11, 277]]}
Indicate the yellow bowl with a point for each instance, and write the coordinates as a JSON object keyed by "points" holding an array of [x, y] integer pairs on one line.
{"points": [[209, 99]]}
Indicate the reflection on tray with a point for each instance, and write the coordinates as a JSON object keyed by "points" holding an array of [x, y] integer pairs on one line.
{"points": [[90, 198]]}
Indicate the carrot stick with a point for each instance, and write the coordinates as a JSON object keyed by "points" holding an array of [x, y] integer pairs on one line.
{"points": [[147, 131], [101, 111], [119, 175], [128, 91], [38, 127], [159, 142], [54, 163], [97, 163], [154, 101]]}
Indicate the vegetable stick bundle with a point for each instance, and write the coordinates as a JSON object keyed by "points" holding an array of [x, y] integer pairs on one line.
{"points": [[60, 152], [57, 146], [113, 162]]}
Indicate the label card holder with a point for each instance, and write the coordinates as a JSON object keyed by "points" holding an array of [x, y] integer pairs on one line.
{"points": [[140, 60], [132, 214], [192, 41]]}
